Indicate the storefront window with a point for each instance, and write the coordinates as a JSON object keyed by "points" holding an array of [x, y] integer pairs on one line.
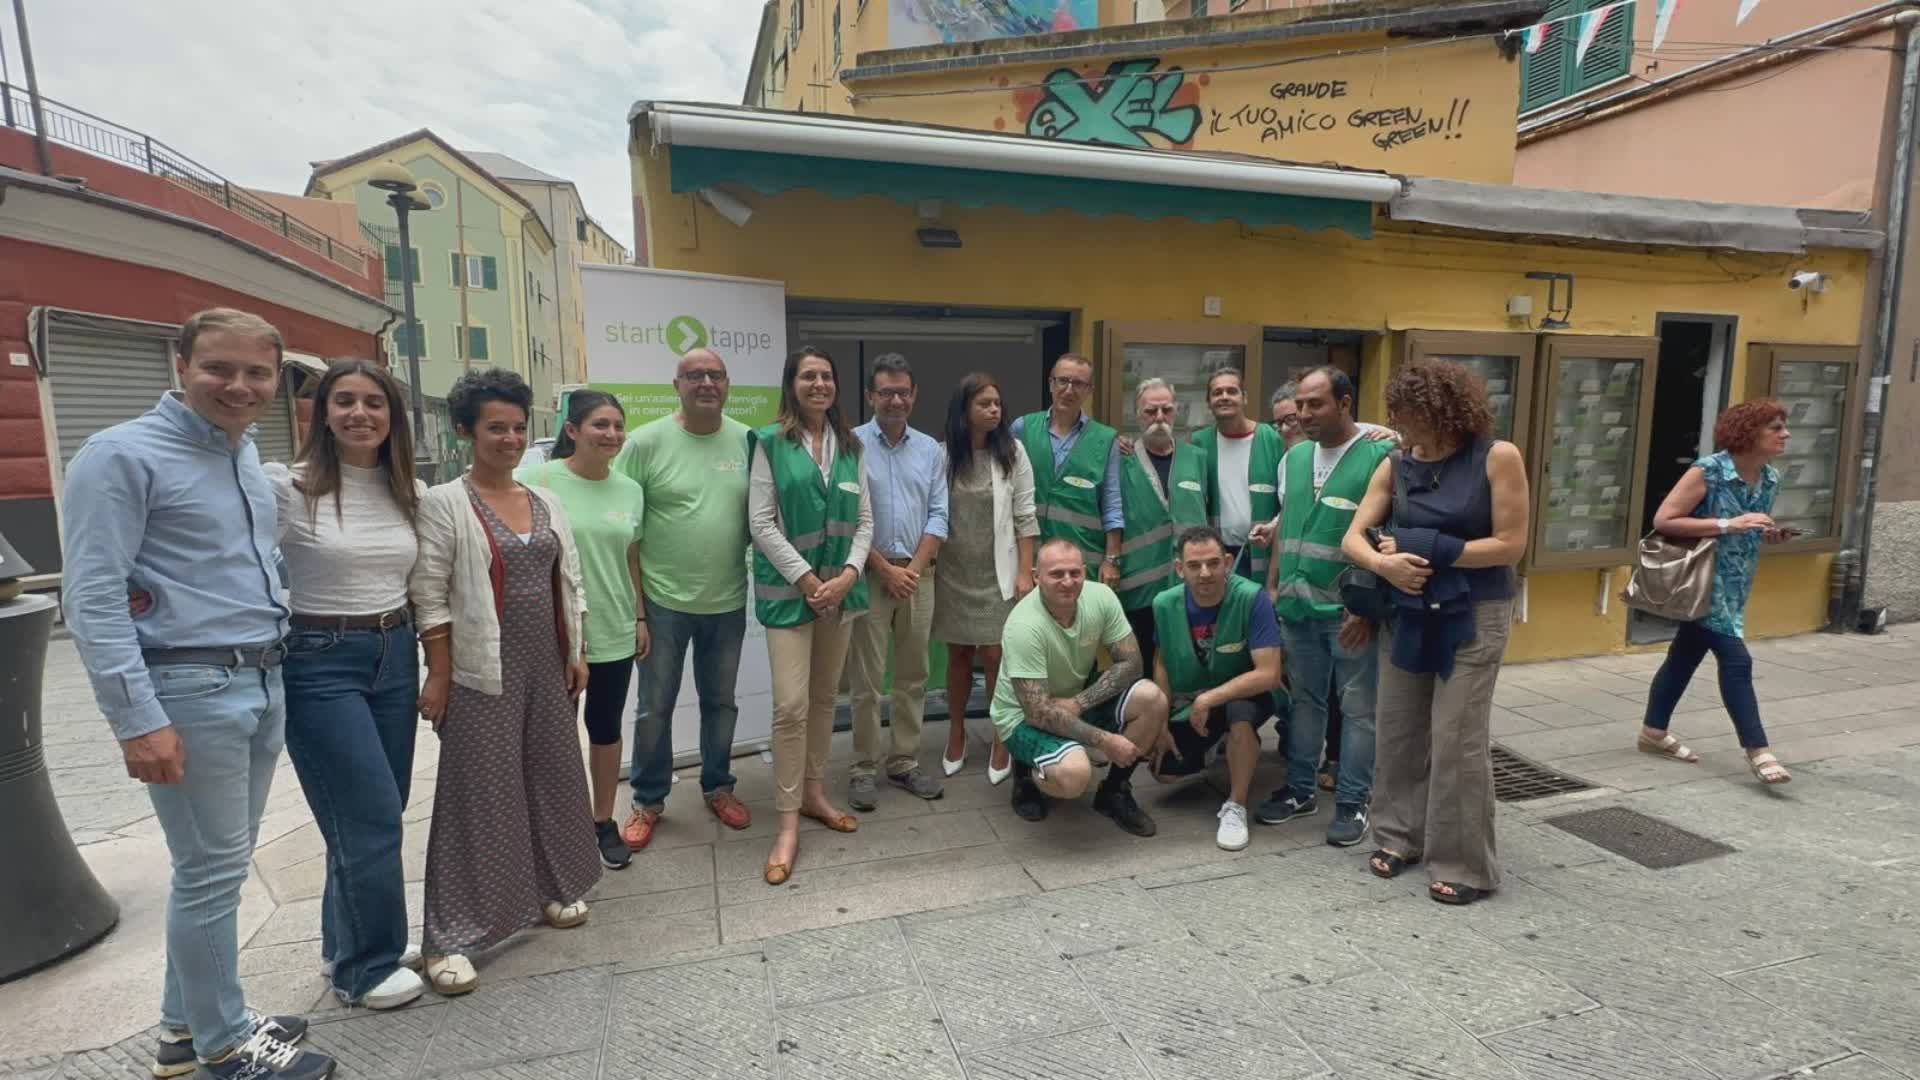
{"points": [[1815, 385], [1590, 448], [1135, 352], [1503, 361]]}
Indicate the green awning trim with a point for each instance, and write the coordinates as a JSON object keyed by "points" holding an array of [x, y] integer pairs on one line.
{"points": [[695, 167]]}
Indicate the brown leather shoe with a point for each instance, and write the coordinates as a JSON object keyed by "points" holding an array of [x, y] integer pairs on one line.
{"points": [[731, 811], [777, 873], [638, 829]]}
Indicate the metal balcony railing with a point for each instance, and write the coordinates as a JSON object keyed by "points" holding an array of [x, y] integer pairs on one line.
{"points": [[84, 131]]}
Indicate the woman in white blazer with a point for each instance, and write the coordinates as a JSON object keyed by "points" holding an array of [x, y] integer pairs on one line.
{"points": [[498, 597], [983, 570]]}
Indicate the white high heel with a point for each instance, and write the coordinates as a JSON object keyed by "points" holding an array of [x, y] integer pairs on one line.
{"points": [[996, 777], [949, 766]]}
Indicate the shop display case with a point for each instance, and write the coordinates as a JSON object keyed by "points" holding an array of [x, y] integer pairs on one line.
{"points": [[1185, 354], [1588, 458], [1816, 385], [1503, 361]]}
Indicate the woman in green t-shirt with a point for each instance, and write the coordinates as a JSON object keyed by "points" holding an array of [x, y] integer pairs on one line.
{"points": [[606, 510]]}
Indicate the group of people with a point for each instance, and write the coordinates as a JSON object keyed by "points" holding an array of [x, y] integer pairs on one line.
{"points": [[225, 608]]}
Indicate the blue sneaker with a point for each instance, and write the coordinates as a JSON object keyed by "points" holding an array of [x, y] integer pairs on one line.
{"points": [[176, 1056], [1284, 805], [268, 1057], [1349, 824]]}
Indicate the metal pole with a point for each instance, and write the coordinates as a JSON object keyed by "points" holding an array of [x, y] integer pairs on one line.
{"points": [[1874, 423], [401, 203], [40, 149]]}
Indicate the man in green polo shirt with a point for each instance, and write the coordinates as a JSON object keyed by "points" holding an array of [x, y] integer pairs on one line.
{"points": [[1244, 455], [1219, 665], [1049, 713], [1163, 489], [1076, 469]]}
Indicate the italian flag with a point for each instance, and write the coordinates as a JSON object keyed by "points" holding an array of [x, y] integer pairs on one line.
{"points": [[1746, 9], [1662, 18], [1590, 24], [1536, 37]]}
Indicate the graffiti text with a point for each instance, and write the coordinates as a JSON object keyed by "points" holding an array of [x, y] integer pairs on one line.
{"points": [[1122, 108]]}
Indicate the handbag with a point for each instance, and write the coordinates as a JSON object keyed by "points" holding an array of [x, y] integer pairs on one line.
{"points": [[1672, 578], [1363, 592]]}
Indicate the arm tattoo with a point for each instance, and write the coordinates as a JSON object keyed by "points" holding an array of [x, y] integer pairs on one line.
{"points": [[1124, 672], [1044, 713]]}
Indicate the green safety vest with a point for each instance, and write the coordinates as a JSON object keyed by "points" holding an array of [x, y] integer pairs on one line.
{"points": [[1068, 504], [819, 520], [1155, 518], [1311, 528], [1230, 659], [1263, 498]]}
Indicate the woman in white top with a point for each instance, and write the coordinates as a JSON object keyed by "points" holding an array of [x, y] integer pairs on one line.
{"points": [[498, 593], [987, 562], [346, 510], [811, 518]]}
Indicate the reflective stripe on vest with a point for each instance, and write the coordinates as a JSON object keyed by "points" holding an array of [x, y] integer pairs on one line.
{"points": [[818, 517], [1312, 525], [1067, 503], [1155, 517], [1263, 499], [1229, 658]]}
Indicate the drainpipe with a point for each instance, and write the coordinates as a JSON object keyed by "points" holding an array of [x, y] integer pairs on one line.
{"points": [[1873, 429], [40, 150]]}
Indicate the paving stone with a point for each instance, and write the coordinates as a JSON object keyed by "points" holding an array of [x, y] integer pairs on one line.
{"points": [[785, 912], [1635, 968], [1095, 918], [582, 1065], [711, 1019], [1857, 1067], [918, 835], [1189, 1019], [131, 1057], [1596, 1045], [1866, 1000], [1372, 1027], [534, 1017], [380, 1046], [891, 1036], [1098, 1053], [30, 1068], [1264, 949], [997, 979], [844, 961]]}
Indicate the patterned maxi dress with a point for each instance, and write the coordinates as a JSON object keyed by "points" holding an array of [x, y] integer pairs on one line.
{"points": [[512, 827]]}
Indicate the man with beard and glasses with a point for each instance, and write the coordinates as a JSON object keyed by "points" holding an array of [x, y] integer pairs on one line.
{"points": [[1163, 490]]}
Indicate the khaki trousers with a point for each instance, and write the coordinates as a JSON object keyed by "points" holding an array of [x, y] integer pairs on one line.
{"points": [[901, 626], [1433, 773], [806, 662]]}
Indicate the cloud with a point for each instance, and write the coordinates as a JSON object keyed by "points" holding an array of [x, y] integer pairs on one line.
{"points": [[256, 90]]}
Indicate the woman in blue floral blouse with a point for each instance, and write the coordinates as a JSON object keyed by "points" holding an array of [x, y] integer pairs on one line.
{"points": [[1728, 495]]}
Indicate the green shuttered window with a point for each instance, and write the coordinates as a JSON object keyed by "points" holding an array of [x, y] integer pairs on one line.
{"points": [[1549, 75]]}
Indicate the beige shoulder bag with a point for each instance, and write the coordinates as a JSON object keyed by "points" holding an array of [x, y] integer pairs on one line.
{"points": [[1672, 578]]}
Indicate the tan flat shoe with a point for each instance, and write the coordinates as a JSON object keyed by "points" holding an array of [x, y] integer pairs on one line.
{"points": [[1667, 746], [778, 873], [451, 976], [565, 916], [836, 820]]}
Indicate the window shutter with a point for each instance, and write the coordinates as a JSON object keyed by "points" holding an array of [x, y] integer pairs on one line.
{"points": [[392, 258], [459, 277], [413, 264], [1611, 54], [1543, 75], [489, 277], [477, 342]]}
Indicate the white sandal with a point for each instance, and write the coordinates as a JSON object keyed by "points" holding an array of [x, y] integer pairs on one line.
{"points": [[451, 976], [565, 916], [1667, 746], [1768, 770]]}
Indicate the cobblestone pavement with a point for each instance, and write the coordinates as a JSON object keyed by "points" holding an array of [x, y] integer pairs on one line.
{"points": [[951, 939]]}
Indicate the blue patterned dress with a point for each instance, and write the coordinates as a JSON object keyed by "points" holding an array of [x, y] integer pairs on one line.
{"points": [[1728, 496]]}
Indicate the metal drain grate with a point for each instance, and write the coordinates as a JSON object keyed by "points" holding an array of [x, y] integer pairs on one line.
{"points": [[1516, 779], [1652, 843]]}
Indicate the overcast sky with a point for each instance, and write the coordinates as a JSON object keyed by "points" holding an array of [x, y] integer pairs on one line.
{"points": [[256, 89]]}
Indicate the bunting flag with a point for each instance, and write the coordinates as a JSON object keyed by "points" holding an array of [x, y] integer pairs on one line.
{"points": [[1590, 24], [1746, 9], [1537, 36], [1663, 17]]}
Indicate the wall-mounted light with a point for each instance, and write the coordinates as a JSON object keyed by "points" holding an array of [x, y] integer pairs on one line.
{"points": [[727, 206], [938, 238], [1557, 317]]}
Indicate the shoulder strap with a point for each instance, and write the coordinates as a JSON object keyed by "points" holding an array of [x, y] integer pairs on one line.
{"points": [[1399, 488]]}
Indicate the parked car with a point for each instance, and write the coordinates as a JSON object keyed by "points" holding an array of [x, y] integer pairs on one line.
{"points": [[539, 452]]}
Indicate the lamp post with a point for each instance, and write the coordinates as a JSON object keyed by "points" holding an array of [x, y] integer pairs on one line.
{"points": [[402, 194]]}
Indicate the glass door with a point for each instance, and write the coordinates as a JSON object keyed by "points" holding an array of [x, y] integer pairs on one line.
{"points": [[1815, 385], [1503, 361], [1186, 355], [1589, 454]]}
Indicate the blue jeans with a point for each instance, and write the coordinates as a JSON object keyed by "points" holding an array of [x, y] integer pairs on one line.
{"points": [[1690, 646], [1315, 663], [715, 641], [351, 716], [231, 723]]}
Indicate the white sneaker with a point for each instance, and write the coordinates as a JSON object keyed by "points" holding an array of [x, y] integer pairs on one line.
{"points": [[409, 958], [1232, 835], [394, 991]]}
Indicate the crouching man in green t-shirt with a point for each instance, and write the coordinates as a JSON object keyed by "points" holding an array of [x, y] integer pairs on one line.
{"points": [[1049, 713]]}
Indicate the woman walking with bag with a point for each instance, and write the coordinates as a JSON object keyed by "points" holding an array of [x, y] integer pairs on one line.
{"points": [[1459, 526], [1728, 495], [497, 592], [606, 509], [986, 563]]}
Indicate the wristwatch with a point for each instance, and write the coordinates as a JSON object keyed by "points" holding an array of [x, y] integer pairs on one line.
{"points": [[1724, 524]]}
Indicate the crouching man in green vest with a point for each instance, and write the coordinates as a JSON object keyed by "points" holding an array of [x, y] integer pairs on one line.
{"points": [[1076, 470], [1163, 489], [1219, 666], [1049, 713]]}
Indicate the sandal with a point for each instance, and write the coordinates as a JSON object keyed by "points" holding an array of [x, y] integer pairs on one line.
{"points": [[1452, 892], [835, 820], [1385, 864], [1667, 746], [451, 976], [565, 916], [1768, 770]]}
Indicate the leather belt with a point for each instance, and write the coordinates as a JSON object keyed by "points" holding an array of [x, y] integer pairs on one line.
{"points": [[243, 656], [385, 620]]}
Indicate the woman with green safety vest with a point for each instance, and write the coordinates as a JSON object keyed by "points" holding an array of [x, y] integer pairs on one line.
{"points": [[812, 521]]}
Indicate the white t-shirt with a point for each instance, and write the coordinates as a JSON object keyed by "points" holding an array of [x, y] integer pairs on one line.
{"points": [[1325, 460], [355, 564], [1236, 502]]}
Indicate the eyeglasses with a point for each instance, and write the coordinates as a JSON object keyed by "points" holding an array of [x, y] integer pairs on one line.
{"points": [[1287, 422], [891, 394], [1063, 382], [1156, 410], [704, 376]]}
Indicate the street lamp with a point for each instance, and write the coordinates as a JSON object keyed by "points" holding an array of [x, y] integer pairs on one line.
{"points": [[403, 195]]}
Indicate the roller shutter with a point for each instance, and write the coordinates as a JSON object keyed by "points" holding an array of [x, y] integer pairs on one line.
{"points": [[102, 377]]}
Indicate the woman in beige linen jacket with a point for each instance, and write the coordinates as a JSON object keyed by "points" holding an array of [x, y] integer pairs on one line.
{"points": [[498, 597]]}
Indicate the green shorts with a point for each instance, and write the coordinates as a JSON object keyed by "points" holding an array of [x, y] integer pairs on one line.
{"points": [[1029, 745]]}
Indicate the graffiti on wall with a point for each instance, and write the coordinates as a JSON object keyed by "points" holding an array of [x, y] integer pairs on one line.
{"points": [[1295, 109], [1132, 101], [933, 22]]}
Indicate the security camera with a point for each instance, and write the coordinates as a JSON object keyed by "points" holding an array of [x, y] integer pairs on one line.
{"points": [[1810, 280]]}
